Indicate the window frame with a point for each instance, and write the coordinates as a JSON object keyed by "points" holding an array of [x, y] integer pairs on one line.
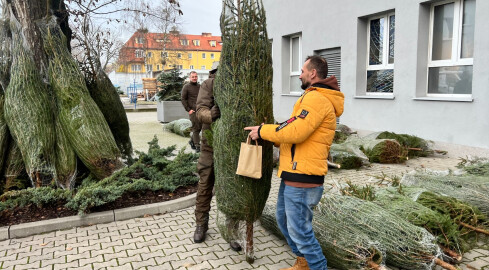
{"points": [[191, 67], [196, 42], [202, 67], [385, 52], [138, 68], [203, 56], [299, 63], [179, 55], [212, 56], [456, 59], [150, 69], [189, 55], [138, 53]]}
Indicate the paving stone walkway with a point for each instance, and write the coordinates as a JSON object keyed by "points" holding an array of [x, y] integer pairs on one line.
{"points": [[165, 241]]}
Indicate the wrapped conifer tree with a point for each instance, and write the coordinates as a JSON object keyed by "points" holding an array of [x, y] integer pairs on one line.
{"points": [[243, 92]]}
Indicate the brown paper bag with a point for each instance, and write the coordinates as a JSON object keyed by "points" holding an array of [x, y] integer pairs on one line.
{"points": [[249, 163]]}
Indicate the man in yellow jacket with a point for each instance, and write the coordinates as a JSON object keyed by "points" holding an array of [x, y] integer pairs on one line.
{"points": [[305, 140]]}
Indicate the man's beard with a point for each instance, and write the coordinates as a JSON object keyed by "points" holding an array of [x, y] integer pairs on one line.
{"points": [[305, 85]]}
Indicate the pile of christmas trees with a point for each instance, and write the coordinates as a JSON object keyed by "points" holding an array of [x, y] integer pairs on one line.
{"points": [[351, 151], [431, 218]]}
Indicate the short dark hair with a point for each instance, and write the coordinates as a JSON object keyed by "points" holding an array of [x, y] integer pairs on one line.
{"points": [[319, 64], [193, 71]]}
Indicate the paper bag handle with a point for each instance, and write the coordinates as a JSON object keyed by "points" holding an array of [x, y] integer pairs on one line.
{"points": [[248, 140]]}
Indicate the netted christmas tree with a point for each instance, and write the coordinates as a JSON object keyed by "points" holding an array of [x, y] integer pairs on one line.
{"points": [[243, 92]]}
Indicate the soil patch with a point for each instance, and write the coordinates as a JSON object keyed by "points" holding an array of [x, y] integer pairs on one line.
{"points": [[33, 213]]}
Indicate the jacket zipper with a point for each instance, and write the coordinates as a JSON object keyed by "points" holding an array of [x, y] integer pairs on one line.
{"points": [[292, 152]]}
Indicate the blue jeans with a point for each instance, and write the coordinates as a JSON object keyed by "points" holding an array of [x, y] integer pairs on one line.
{"points": [[294, 218]]}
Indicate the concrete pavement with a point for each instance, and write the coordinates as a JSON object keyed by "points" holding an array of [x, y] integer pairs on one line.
{"points": [[164, 241]]}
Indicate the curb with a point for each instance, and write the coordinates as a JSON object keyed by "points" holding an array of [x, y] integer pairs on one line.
{"points": [[140, 109], [45, 226]]}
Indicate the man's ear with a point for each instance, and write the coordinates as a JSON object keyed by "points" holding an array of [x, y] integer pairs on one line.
{"points": [[314, 73]]}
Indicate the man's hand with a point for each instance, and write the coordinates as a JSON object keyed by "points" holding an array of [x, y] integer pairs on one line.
{"points": [[191, 112], [253, 132]]}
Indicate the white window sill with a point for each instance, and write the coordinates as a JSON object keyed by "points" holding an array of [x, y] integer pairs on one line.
{"points": [[296, 94], [454, 99], [375, 97]]}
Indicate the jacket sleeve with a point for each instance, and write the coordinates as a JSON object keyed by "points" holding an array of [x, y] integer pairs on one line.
{"points": [[207, 111], [311, 113], [185, 98]]}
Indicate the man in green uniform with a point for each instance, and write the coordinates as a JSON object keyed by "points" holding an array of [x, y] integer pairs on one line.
{"points": [[207, 112]]}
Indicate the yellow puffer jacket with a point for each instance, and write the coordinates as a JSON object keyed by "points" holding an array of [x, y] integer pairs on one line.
{"points": [[305, 139]]}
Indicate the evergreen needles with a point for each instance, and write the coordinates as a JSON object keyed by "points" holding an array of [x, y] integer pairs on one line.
{"points": [[243, 92]]}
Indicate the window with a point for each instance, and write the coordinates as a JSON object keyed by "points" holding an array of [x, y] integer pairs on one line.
{"points": [[196, 42], [179, 66], [190, 56], [164, 54], [179, 55], [136, 68], [451, 48], [184, 42], [149, 68], [191, 67], [212, 56], [139, 53], [150, 54], [139, 40], [202, 67], [203, 55], [380, 66], [295, 63], [157, 67], [212, 43]]}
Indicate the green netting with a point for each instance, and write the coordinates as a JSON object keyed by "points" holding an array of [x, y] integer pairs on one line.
{"points": [[440, 225], [79, 116], [108, 101], [379, 151], [182, 127], [342, 132], [243, 92], [5, 54], [407, 246], [29, 115], [467, 188], [4, 132], [475, 166], [461, 213], [416, 146], [65, 160], [14, 169], [348, 156], [344, 247]]}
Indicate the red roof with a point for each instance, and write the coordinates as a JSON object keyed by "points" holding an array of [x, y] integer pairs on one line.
{"points": [[155, 41]]}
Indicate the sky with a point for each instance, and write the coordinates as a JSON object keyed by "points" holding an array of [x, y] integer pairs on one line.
{"points": [[201, 16]]}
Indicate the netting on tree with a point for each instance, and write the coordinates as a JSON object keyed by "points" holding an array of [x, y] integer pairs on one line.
{"points": [[440, 225], [81, 120], [28, 112], [345, 247], [243, 92], [467, 188], [181, 127], [469, 218], [407, 246], [348, 156]]}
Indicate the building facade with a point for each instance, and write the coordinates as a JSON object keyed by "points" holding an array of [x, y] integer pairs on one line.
{"points": [[146, 54], [416, 67]]}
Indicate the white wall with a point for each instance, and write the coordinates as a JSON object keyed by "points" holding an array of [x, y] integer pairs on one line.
{"points": [[327, 24]]}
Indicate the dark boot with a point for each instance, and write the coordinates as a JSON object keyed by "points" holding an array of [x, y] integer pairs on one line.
{"points": [[192, 145], [197, 149], [235, 246], [199, 234]]}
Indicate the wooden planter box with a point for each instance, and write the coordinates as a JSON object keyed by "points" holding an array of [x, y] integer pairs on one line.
{"points": [[168, 111]]}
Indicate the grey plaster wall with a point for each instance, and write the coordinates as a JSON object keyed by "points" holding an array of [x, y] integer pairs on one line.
{"points": [[327, 24]]}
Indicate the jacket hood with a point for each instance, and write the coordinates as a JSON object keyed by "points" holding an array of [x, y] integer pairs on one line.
{"points": [[329, 89]]}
